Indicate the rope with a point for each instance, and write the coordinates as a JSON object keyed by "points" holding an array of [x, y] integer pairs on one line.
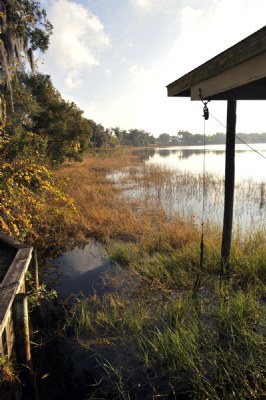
{"points": [[201, 263]]}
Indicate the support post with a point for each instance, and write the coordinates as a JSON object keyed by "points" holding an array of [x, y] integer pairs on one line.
{"points": [[21, 329], [228, 187], [35, 269], [22, 346]]}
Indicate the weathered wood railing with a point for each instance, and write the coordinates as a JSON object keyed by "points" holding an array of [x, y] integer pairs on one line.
{"points": [[14, 324]]}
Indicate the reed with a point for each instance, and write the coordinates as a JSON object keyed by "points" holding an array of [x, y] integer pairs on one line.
{"points": [[151, 337]]}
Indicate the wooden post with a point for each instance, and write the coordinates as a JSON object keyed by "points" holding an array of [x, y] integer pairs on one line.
{"points": [[35, 269], [21, 329], [229, 187], [22, 346]]}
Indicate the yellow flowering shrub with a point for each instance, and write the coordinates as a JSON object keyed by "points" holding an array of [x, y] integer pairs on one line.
{"points": [[32, 200]]}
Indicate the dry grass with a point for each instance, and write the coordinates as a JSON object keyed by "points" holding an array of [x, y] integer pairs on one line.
{"points": [[207, 346], [106, 214]]}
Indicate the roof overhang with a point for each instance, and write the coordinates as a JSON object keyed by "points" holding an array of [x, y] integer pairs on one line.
{"points": [[238, 73]]}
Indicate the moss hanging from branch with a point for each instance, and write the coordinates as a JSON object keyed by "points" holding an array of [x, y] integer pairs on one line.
{"points": [[23, 28]]}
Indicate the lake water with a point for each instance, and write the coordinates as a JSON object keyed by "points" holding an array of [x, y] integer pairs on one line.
{"points": [[183, 193], [248, 164], [82, 269]]}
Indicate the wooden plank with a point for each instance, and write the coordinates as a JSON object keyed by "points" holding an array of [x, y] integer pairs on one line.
{"points": [[19, 265], [13, 282], [11, 241]]}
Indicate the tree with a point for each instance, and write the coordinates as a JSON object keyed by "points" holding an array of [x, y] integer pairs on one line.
{"points": [[23, 29], [68, 132], [100, 135], [185, 137], [31, 199], [164, 139], [135, 137]]}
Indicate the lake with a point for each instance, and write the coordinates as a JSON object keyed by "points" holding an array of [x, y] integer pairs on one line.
{"points": [[180, 192], [248, 164], [183, 193]]}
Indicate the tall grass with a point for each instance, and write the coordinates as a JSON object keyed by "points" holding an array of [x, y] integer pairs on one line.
{"points": [[214, 350], [150, 337]]}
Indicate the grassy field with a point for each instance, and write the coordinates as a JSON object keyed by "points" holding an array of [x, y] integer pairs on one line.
{"points": [[156, 336]]}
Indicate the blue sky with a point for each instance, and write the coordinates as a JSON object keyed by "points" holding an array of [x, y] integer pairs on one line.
{"points": [[113, 58]]}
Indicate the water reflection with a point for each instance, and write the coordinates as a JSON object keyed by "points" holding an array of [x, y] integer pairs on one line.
{"points": [[180, 190], [145, 154], [249, 164], [183, 153], [80, 270]]}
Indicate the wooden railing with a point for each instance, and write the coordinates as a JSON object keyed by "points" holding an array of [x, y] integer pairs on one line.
{"points": [[14, 324]]}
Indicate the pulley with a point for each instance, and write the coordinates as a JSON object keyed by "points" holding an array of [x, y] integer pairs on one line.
{"points": [[205, 110]]}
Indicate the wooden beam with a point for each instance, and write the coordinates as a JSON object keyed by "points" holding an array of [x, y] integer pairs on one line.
{"points": [[236, 77], [13, 283], [228, 187], [11, 241]]}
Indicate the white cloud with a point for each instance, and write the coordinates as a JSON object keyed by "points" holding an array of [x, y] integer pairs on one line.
{"points": [[142, 4], [77, 41], [160, 41], [204, 33], [151, 5]]}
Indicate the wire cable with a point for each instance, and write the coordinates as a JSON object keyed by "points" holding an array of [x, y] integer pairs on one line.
{"points": [[241, 140]]}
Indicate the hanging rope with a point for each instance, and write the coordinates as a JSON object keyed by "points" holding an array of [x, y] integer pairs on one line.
{"points": [[201, 261]]}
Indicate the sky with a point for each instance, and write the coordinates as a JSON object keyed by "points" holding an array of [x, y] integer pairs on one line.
{"points": [[114, 58]]}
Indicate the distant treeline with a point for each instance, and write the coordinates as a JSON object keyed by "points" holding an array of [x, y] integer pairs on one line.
{"points": [[137, 137], [185, 138]]}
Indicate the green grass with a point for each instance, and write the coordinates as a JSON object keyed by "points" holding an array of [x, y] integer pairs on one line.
{"points": [[150, 337], [210, 347]]}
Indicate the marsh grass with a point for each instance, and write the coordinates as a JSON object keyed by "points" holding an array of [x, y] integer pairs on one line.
{"points": [[8, 371], [210, 350], [150, 337]]}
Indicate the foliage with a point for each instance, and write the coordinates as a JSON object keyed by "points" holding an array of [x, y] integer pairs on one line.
{"points": [[21, 106], [164, 139], [133, 137], [28, 22], [67, 132], [23, 28], [31, 197], [7, 371], [37, 295], [100, 136], [32, 200], [186, 138]]}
